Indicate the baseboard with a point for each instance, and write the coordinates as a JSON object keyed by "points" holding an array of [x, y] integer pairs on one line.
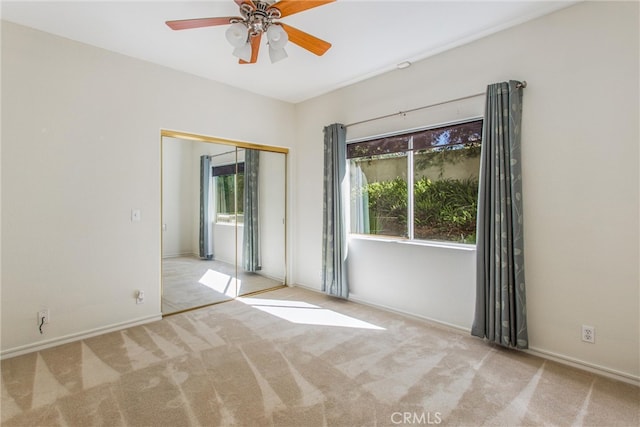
{"points": [[585, 366], [453, 326], [269, 276], [544, 354], [358, 300], [41, 345], [186, 254]]}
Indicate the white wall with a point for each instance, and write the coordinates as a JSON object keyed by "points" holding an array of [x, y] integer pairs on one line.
{"points": [[272, 205], [224, 243], [81, 148], [580, 173], [178, 194]]}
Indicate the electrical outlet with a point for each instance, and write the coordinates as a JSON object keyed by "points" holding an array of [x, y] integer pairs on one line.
{"points": [[43, 316], [140, 297], [588, 334], [43, 319]]}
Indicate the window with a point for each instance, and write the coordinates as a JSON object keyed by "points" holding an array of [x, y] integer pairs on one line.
{"points": [[441, 167], [229, 193]]}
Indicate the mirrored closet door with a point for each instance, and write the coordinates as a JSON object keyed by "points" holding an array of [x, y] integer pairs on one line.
{"points": [[223, 220]]}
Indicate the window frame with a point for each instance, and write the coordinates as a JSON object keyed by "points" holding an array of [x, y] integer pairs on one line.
{"points": [[410, 238]]}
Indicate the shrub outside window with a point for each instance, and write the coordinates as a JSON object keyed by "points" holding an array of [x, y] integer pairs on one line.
{"points": [[229, 193], [441, 167]]}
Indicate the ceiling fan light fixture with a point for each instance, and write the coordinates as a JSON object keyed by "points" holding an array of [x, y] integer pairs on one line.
{"points": [[277, 36], [237, 34], [258, 18], [243, 52], [277, 54]]}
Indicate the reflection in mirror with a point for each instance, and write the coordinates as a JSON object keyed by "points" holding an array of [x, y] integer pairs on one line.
{"points": [[261, 235], [223, 231]]}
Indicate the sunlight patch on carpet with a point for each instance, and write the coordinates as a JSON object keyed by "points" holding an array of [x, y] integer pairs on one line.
{"points": [[308, 314], [219, 282]]}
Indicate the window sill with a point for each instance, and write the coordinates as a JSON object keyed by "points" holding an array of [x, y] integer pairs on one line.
{"points": [[427, 243]]}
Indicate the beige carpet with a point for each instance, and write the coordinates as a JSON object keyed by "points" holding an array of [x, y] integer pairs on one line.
{"points": [[292, 357]]}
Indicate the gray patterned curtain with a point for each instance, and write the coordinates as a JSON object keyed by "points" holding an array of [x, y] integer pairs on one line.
{"points": [[500, 314], [206, 226], [251, 234], [334, 235]]}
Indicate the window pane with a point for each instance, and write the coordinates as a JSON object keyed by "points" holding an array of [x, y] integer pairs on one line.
{"points": [[444, 165], [449, 136], [446, 192], [240, 201], [378, 147], [379, 195], [229, 169], [225, 198]]}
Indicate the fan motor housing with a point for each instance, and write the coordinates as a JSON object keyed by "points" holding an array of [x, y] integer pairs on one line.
{"points": [[259, 19]]}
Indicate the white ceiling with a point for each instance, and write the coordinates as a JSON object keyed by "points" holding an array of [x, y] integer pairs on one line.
{"points": [[369, 37]]}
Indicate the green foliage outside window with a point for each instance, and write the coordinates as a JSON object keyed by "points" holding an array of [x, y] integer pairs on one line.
{"points": [[388, 207], [227, 199], [444, 209]]}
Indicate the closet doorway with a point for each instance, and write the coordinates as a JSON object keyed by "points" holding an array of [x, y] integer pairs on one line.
{"points": [[223, 220]]}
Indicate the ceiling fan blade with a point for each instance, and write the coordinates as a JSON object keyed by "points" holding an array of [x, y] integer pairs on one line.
{"points": [[289, 7], [185, 24], [239, 2], [255, 47], [306, 40]]}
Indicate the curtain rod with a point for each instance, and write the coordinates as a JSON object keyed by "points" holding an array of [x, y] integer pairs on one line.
{"points": [[522, 85], [211, 156]]}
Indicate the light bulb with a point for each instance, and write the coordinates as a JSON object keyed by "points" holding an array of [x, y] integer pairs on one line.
{"points": [[243, 52], [276, 54], [236, 34], [277, 36]]}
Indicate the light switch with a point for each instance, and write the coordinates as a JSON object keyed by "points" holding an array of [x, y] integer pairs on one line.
{"points": [[135, 215]]}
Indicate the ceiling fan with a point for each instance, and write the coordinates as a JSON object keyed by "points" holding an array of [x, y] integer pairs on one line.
{"points": [[258, 17]]}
